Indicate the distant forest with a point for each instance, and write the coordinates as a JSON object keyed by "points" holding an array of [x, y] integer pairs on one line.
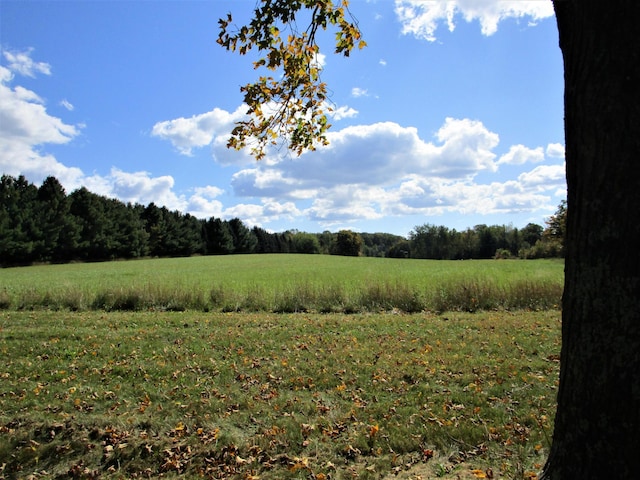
{"points": [[44, 224]]}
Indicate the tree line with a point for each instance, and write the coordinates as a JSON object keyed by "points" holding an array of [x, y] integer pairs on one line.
{"points": [[483, 241], [44, 224]]}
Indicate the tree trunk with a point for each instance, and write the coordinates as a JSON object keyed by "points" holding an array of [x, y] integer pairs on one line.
{"points": [[597, 426]]}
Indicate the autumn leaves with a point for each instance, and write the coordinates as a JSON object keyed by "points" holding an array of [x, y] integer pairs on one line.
{"points": [[292, 106], [276, 396]]}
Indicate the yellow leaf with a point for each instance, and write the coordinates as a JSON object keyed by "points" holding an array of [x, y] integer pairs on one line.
{"points": [[478, 473]]}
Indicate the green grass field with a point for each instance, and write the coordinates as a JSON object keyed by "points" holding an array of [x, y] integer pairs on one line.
{"points": [[180, 368], [275, 396], [285, 283]]}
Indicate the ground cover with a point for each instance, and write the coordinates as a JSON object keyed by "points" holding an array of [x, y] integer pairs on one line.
{"points": [[285, 283], [275, 396]]}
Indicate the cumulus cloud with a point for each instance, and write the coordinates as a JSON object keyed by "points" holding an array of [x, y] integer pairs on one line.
{"points": [[267, 211], [213, 129], [343, 112], [467, 148], [140, 187], [143, 188], [371, 171], [519, 154], [204, 203], [544, 177], [198, 131], [26, 126], [422, 19], [377, 154], [555, 150], [23, 64]]}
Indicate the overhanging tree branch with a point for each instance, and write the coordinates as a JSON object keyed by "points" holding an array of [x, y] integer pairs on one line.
{"points": [[291, 108]]}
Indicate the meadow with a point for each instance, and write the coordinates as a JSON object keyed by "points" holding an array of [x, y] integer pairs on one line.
{"points": [[196, 376], [285, 283]]}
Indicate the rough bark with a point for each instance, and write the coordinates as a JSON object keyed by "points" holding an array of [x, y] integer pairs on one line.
{"points": [[597, 427]]}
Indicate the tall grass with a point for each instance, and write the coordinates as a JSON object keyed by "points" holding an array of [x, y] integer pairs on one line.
{"points": [[285, 283]]}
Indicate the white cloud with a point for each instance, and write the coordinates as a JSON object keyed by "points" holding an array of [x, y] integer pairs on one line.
{"points": [[22, 63], [368, 172], [26, 126], [377, 154], [359, 92], [427, 197], [24, 117], [214, 129], [555, 150], [143, 188], [519, 154], [343, 112], [422, 18], [140, 187], [544, 177], [66, 104], [277, 210], [320, 60], [268, 210], [383, 62], [204, 204], [467, 148], [197, 131]]}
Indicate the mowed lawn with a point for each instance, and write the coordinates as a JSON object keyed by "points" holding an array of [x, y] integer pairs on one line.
{"points": [[260, 395]]}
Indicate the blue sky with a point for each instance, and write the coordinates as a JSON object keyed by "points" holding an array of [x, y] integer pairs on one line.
{"points": [[451, 116]]}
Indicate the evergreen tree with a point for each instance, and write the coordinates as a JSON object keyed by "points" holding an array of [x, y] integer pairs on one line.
{"points": [[60, 233], [19, 232], [244, 241], [88, 209], [266, 242], [217, 236]]}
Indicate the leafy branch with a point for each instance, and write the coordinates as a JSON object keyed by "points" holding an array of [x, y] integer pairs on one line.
{"points": [[290, 108]]}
